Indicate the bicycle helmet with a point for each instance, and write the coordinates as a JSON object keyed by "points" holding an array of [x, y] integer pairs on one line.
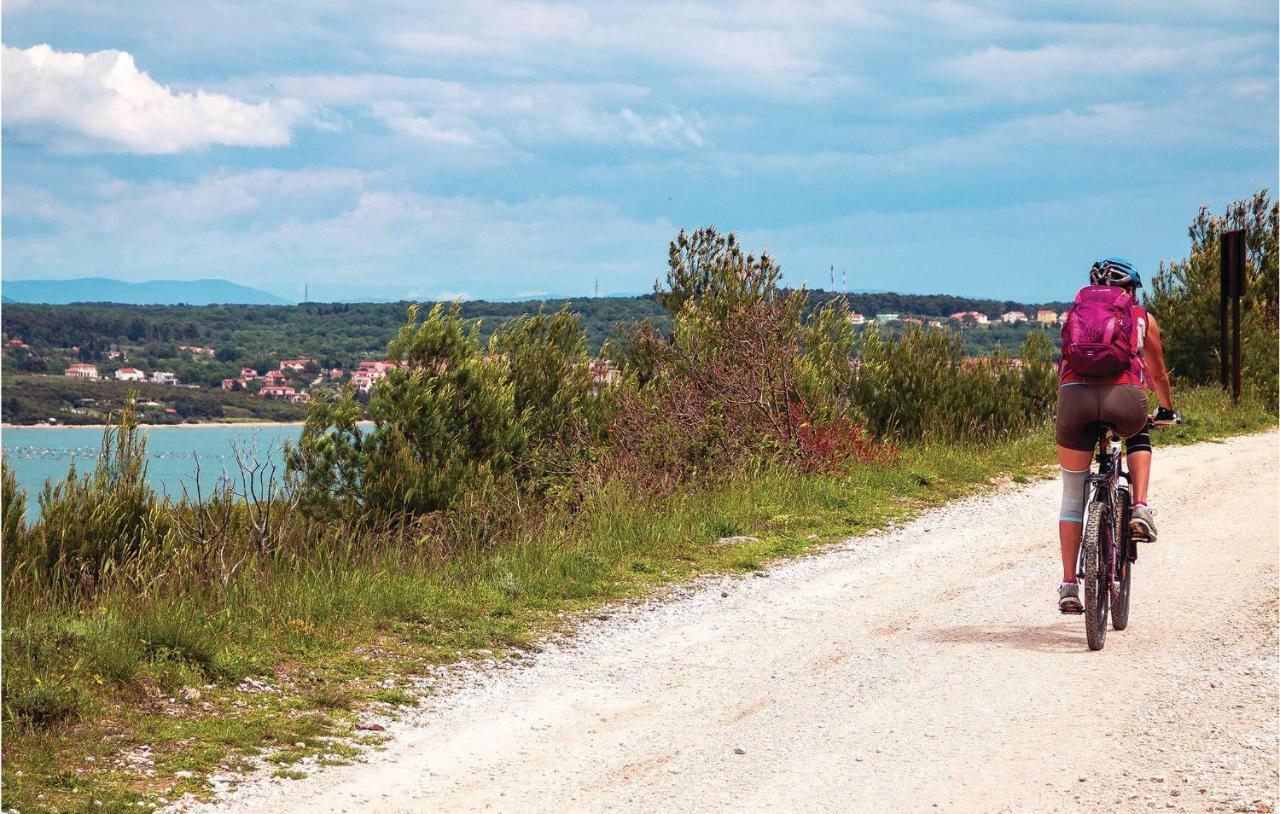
{"points": [[1114, 271]]}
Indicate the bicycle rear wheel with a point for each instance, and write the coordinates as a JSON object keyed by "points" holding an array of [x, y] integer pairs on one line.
{"points": [[1096, 585], [1120, 585]]}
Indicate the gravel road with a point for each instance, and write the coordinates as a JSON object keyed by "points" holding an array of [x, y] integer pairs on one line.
{"points": [[917, 670]]}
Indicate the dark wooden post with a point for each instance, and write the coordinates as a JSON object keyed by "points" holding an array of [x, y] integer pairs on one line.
{"points": [[1233, 283], [1224, 324]]}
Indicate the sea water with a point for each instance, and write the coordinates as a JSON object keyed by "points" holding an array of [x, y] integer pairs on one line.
{"points": [[173, 453]]}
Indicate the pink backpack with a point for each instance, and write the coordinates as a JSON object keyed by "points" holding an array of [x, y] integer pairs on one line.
{"points": [[1098, 336]]}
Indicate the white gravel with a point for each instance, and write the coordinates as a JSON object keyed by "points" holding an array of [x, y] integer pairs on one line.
{"points": [[922, 669]]}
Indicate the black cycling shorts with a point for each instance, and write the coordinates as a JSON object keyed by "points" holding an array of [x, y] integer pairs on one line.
{"points": [[1083, 409]]}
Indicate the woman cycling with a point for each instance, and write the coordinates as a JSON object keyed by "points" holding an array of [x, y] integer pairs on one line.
{"points": [[1087, 402]]}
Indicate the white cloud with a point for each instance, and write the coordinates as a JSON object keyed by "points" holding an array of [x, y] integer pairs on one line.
{"points": [[102, 102], [505, 119], [448, 130], [776, 48], [668, 131]]}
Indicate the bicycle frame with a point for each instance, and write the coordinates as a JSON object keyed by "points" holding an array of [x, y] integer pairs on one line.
{"points": [[1109, 485]]}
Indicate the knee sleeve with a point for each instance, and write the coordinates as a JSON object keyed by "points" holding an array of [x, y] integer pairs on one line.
{"points": [[1138, 443], [1073, 495]]}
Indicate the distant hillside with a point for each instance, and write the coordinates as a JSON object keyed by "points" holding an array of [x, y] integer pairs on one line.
{"points": [[342, 334], [152, 292]]}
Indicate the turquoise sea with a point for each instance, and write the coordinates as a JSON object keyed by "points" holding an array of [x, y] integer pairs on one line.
{"points": [[37, 453]]}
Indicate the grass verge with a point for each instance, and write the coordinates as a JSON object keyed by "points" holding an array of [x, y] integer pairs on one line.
{"points": [[128, 702]]}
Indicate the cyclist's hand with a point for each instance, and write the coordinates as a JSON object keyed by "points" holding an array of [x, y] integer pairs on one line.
{"points": [[1165, 417]]}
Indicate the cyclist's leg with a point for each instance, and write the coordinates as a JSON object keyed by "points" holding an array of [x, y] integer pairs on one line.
{"points": [[1138, 454], [1138, 451], [1077, 409], [1075, 470], [1124, 406]]}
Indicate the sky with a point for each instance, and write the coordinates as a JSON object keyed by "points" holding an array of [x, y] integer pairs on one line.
{"points": [[494, 150]]}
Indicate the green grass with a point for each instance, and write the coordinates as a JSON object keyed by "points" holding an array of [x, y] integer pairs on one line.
{"points": [[330, 637]]}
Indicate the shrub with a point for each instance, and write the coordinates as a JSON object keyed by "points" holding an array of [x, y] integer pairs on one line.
{"points": [[13, 510], [920, 385], [444, 423], [107, 519], [546, 362], [743, 377], [1184, 297]]}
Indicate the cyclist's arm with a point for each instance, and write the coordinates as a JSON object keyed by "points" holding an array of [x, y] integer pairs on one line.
{"points": [[1153, 356]]}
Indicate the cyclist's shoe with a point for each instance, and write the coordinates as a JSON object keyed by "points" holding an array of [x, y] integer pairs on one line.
{"points": [[1142, 525], [1163, 417], [1069, 598]]}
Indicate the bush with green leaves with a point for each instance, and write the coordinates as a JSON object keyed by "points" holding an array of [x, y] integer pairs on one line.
{"points": [[545, 359], [452, 421], [920, 385], [13, 513], [1184, 297], [444, 423], [93, 523], [745, 376]]}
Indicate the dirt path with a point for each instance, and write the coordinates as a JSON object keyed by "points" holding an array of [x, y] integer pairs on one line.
{"points": [[920, 670]]}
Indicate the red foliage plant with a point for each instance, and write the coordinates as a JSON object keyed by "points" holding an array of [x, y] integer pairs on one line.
{"points": [[834, 444]]}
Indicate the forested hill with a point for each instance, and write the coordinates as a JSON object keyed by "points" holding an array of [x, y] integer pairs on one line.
{"points": [[932, 305], [340, 334]]}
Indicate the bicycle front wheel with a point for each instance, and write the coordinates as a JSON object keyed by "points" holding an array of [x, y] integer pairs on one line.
{"points": [[1097, 593], [1124, 568]]}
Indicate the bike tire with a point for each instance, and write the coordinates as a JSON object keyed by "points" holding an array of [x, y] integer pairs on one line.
{"points": [[1120, 597], [1096, 593], [1120, 587]]}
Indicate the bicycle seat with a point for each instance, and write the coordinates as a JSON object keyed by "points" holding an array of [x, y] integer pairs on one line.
{"points": [[1103, 429]]}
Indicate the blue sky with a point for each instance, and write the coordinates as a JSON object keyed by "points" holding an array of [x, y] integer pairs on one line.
{"points": [[489, 149]]}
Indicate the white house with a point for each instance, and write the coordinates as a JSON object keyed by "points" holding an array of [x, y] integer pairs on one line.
{"points": [[368, 373], [130, 374], [163, 377], [1013, 317], [603, 373], [886, 317], [82, 371], [857, 319], [977, 317]]}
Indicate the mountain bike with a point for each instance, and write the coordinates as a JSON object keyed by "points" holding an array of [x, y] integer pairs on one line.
{"points": [[1107, 550]]}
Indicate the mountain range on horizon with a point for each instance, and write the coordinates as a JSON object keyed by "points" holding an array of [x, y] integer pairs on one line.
{"points": [[151, 292], [214, 291]]}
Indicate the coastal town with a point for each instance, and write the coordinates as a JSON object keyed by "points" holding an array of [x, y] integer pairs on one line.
{"points": [[1044, 317], [77, 364], [284, 384], [295, 380]]}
